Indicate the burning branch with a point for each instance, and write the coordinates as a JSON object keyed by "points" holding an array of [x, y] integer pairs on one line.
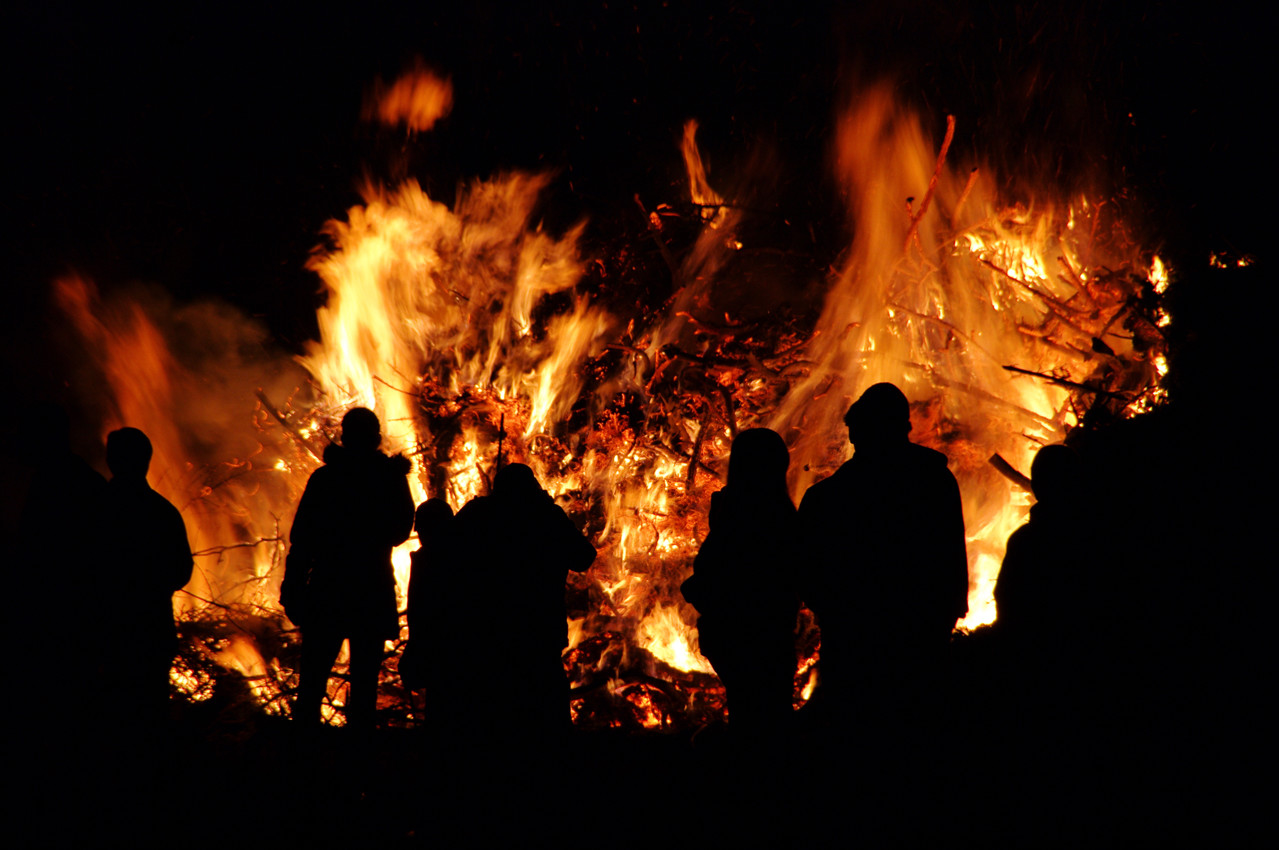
{"points": [[288, 426], [963, 197], [912, 234], [1006, 469], [1063, 382]]}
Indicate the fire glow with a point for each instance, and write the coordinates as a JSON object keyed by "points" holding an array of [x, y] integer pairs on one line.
{"points": [[468, 326]]}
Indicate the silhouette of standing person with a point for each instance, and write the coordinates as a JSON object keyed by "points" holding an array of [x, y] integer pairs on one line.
{"points": [[435, 618], [889, 568], [745, 587], [520, 545], [1040, 593], [889, 580], [56, 552], [339, 584], [150, 560], [507, 563]]}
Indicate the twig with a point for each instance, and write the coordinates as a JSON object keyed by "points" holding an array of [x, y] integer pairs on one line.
{"points": [[218, 550], [963, 197], [413, 393], [697, 448], [729, 412], [980, 393], [270, 408], [1065, 382], [666, 252], [932, 183], [1075, 280], [950, 327]]}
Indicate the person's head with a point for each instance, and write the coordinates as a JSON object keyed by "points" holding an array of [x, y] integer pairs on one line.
{"points": [[431, 516], [1055, 475], [881, 416], [360, 430], [128, 453], [758, 461], [515, 481]]}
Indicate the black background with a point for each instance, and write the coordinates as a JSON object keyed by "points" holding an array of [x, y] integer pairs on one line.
{"points": [[203, 148]]}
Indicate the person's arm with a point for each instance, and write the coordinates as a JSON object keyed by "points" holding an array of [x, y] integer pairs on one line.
{"points": [[400, 514], [298, 563], [182, 562]]}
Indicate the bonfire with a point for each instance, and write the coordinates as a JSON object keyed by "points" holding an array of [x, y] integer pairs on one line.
{"points": [[477, 335]]}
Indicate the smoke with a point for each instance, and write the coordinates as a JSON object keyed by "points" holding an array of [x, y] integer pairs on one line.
{"points": [[190, 376]]}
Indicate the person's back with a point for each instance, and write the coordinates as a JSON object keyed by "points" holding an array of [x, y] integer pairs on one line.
{"points": [[889, 569], [149, 560], [1044, 616], [745, 585], [890, 579], [519, 547], [339, 583], [893, 570], [434, 616]]}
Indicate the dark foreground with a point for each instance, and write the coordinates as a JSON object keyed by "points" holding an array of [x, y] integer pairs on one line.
{"points": [[1144, 773]]}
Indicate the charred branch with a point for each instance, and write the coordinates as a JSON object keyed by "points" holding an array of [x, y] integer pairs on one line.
{"points": [[1064, 382], [1007, 470]]}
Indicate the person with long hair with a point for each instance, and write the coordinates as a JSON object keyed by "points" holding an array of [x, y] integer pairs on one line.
{"points": [[745, 585]]}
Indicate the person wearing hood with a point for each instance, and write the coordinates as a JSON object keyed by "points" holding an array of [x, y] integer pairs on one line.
{"points": [[339, 584], [745, 586]]}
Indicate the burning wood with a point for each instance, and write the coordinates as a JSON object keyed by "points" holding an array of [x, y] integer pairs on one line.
{"points": [[625, 408]]}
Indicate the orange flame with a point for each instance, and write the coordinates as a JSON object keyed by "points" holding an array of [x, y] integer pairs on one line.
{"points": [[417, 99], [449, 320]]}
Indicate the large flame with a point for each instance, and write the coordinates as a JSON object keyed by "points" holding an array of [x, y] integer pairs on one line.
{"points": [[469, 330]]}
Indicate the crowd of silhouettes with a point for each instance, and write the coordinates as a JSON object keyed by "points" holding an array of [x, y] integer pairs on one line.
{"points": [[876, 551]]}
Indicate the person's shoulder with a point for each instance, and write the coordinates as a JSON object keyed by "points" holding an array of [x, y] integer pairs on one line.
{"points": [[926, 461], [925, 456], [473, 509], [829, 487], [397, 465], [160, 509]]}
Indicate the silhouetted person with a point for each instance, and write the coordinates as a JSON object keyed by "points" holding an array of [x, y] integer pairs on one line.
{"points": [[1061, 678], [57, 554], [339, 584], [150, 559], [436, 620], [889, 580], [518, 546], [503, 709], [889, 568], [745, 585], [56, 559], [1041, 592]]}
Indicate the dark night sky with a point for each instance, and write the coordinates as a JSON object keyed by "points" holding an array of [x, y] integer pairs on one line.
{"points": [[203, 150]]}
